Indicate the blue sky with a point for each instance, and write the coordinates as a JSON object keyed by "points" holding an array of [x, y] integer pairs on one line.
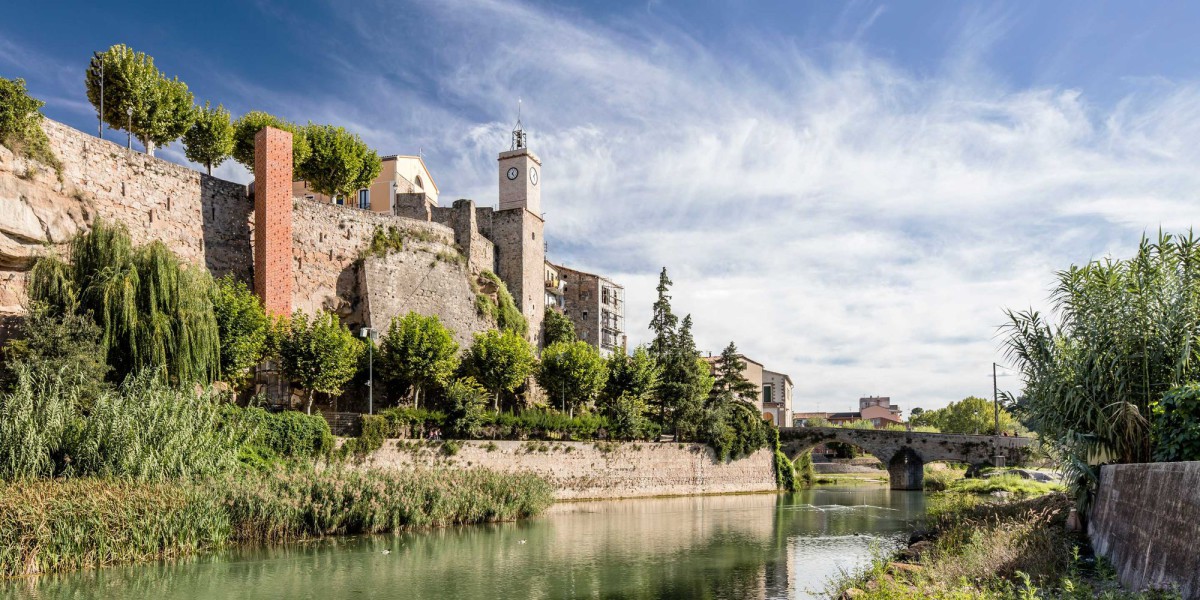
{"points": [[852, 192]]}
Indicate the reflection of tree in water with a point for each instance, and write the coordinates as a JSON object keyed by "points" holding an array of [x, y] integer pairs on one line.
{"points": [[723, 547]]}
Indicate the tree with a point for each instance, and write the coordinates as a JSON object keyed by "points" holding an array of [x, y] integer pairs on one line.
{"points": [[466, 403], [248, 126], [730, 382], [971, 415], [320, 355], [162, 109], [65, 345], [242, 324], [501, 361], [417, 353], [1176, 424], [209, 141], [1123, 334], [663, 321], [557, 327], [153, 311], [634, 375], [917, 411], [684, 382], [21, 123], [573, 373], [340, 162]]}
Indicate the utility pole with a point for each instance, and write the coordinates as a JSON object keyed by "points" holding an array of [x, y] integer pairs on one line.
{"points": [[999, 458], [129, 137], [369, 334]]}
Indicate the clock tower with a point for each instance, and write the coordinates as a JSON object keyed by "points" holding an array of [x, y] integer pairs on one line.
{"points": [[520, 176], [517, 229]]}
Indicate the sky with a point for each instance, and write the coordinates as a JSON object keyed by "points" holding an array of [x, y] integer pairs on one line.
{"points": [[853, 192]]}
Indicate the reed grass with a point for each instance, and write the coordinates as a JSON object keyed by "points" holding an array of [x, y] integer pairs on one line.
{"points": [[70, 524]]}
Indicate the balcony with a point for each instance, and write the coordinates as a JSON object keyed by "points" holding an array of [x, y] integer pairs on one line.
{"points": [[556, 286]]}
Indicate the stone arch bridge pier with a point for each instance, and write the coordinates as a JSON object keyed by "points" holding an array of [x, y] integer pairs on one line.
{"points": [[906, 452]]}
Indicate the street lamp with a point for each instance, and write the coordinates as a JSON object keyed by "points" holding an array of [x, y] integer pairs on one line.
{"points": [[100, 117], [129, 129], [369, 334]]}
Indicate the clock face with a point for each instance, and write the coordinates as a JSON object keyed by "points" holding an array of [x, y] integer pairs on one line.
{"points": [[512, 173], [533, 176]]}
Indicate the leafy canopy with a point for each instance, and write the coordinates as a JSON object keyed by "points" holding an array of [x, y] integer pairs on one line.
{"points": [[248, 125], [243, 327], [209, 141], [970, 415], [417, 353], [500, 361], [319, 355], [340, 162], [557, 327], [21, 123], [572, 373], [138, 98]]}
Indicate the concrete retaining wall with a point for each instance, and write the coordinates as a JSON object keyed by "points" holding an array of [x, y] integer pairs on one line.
{"points": [[600, 470], [1146, 520]]}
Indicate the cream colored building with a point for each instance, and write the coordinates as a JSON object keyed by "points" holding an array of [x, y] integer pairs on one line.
{"points": [[777, 398], [398, 174]]}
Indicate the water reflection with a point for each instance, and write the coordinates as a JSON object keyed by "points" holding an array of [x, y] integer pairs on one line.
{"points": [[752, 546]]}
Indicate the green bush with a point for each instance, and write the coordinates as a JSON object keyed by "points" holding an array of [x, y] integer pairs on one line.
{"points": [[1175, 423], [375, 429], [21, 124], [466, 403], [412, 423], [273, 436], [806, 473]]}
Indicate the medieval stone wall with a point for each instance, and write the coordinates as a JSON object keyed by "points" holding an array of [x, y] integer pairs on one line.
{"points": [[203, 219], [521, 263], [580, 470], [425, 280]]}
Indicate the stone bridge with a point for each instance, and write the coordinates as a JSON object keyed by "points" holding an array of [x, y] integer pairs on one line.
{"points": [[906, 452]]}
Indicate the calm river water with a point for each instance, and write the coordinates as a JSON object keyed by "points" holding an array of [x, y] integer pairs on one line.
{"points": [[748, 546]]}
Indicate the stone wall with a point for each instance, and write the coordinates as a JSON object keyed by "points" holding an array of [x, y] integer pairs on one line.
{"points": [[463, 218], [203, 219], [1146, 521], [329, 240], [426, 280], [521, 263], [580, 470]]}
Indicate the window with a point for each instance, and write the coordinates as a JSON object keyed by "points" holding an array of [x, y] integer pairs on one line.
{"points": [[338, 200], [766, 394], [418, 182], [364, 199]]}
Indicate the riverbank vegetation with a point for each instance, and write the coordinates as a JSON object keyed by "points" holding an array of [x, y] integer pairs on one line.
{"points": [[70, 524], [1105, 371], [978, 548]]}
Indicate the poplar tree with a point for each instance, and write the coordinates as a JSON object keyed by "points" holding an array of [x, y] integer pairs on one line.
{"points": [[209, 141]]}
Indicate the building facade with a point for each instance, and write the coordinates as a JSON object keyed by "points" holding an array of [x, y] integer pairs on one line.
{"points": [[400, 177], [594, 303], [777, 398], [774, 400]]}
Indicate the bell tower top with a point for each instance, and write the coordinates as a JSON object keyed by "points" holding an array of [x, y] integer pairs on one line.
{"points": [[520, 174]]}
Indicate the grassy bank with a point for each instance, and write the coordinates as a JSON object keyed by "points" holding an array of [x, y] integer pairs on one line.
{"points": [[63, 525], [975, 548]]}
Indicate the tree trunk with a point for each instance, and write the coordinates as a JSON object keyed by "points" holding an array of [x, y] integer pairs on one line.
{"points": [[149, 147], [310, 401], [209, 165], [496, 402]]}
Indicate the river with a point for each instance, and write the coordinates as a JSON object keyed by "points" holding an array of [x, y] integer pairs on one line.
{"points": [[741, 546]]}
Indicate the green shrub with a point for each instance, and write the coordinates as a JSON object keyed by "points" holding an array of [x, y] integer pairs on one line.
{"points": [[374, 430], [273, 436], [21, 124], [409, 422], [466, 403], [1013, 484], [806, 473], [1175, 423], [451, 447]]}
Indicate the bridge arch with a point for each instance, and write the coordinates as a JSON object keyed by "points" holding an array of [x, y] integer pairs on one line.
{"points": [[906, 452]]}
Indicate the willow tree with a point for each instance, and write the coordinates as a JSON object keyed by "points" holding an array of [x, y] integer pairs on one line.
{"points": [[152, 310], [1121, 334]]}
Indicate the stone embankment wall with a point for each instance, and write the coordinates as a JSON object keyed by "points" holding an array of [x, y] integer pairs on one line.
{"points": [[203, 219], [1146, 520], [601, 470]]}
